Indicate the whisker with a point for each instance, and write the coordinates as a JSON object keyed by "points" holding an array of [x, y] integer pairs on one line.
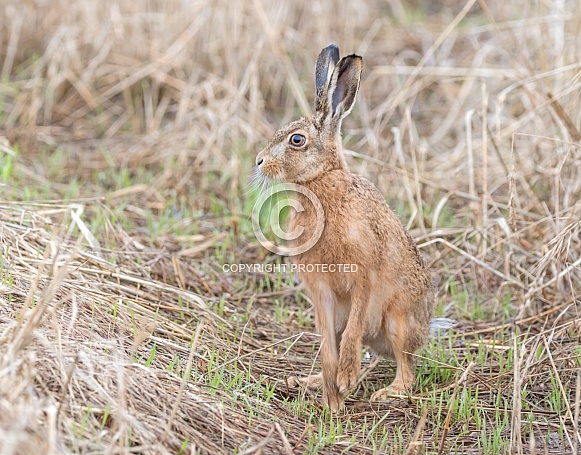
{"points": [[254, 182]]}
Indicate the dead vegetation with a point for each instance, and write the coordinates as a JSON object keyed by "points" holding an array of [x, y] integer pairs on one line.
{"points": [[129, 130]]}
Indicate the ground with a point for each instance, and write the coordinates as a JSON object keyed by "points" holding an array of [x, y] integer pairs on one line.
{"points": [[128, 138]]}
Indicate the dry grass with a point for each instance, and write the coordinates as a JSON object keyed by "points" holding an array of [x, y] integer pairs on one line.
{"points": [[129, 131]]}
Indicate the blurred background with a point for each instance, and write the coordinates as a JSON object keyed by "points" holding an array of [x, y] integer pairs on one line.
{"points": [[465, 119], [209, 81]]}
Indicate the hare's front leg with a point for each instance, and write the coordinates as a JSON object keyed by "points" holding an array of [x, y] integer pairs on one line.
{"points": [[324, 303], [350, 349]]}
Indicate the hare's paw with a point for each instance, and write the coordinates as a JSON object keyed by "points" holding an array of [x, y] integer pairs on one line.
{"points": [[397, 388], [348, 375], [332, 397], [312, 382], [334, 400], [381, 394]]}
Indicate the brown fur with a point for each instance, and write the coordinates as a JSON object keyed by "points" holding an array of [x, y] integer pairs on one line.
{"points": [[387, 303]]}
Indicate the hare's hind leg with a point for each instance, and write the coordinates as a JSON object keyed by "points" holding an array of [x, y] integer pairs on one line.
{"points": [[403, 340], [312, 382]]}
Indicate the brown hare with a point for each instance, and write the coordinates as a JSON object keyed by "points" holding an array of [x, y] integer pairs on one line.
{"points": [[387, 302]]}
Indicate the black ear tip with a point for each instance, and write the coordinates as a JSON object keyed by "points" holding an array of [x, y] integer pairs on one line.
{"points": [[354, 57], [350, 61], [332, 50]]}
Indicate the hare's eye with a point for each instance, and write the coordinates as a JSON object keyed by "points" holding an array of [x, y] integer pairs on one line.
{"points": [[298, 140]]}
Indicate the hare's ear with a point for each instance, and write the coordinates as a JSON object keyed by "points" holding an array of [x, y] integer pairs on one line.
{"points": [[326, 62], [343, 88]]}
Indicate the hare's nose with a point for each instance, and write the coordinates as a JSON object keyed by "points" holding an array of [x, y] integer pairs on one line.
{"points": [[259, 161]]}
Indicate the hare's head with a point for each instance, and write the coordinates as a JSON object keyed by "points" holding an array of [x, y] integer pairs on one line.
{"points": [[306, 148]]}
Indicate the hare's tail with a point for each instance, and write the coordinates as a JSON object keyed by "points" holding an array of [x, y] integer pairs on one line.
{"points": [[438, 325]]}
